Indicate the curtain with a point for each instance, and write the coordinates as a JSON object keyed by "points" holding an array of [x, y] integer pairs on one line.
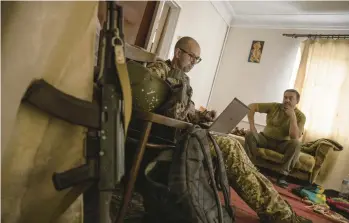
{"points": [[323, 82]]}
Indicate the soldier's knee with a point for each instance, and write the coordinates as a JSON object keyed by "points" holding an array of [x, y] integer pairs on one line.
{"points": [[226, 143], [250, 136]]}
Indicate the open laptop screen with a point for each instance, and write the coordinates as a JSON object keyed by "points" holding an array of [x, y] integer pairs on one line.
{"points": [[230, 117]]}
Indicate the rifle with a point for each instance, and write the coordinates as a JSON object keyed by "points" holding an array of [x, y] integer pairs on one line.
{"points": [[107, 119]]}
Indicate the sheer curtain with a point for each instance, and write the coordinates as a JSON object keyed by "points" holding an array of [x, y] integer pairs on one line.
{"points": [[323, 82]]}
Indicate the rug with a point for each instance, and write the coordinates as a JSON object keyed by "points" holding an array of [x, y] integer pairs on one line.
{"points": [[244, 214]]}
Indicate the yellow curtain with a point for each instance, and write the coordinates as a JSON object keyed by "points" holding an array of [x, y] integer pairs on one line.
{"points": [[323, 81]]}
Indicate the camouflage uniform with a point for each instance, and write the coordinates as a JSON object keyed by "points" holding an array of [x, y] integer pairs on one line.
{"points": [[254, 188]]}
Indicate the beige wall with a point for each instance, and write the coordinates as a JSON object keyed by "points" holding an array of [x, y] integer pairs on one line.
{"points": [[250, 82]]}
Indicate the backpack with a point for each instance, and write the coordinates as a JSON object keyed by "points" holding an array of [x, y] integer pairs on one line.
{"points": [[181, 186]]}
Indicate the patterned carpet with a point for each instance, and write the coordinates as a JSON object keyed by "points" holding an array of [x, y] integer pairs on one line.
{"points": [[244, 214]]}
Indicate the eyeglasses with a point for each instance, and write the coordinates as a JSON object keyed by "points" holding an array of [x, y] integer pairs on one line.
{"points": [[192, 56]]}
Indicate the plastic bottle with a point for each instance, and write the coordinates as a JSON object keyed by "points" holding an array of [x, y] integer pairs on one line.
{"points": [[344, 193]]}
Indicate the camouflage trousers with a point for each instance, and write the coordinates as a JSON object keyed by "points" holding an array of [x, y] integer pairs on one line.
{"points": [[253, 187]]}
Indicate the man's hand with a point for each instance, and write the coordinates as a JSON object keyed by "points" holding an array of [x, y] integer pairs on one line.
{"points": [[290, 111], [210, 116], [294, 130]]}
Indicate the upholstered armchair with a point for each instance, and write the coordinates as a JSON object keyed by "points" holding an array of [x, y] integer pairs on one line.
{"points": [[311, 159]]}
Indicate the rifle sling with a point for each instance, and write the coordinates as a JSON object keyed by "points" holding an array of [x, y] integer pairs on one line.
{"points": [[49, 99], [126, 92]]}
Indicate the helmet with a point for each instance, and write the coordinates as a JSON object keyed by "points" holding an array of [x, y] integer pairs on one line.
{"points": [[149, 91]]}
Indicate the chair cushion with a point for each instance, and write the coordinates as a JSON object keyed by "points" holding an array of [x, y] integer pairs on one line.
{"points": [[306, 162]]}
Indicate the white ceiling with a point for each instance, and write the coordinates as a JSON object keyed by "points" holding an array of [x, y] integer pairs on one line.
{"points": [[289, 14]]}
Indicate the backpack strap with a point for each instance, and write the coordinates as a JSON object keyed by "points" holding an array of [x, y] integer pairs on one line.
{"points": [[222, 179], [208, 159], [163, 156]]}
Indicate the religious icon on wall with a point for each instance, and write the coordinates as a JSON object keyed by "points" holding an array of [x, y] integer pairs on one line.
{"points": [[256, 51]]}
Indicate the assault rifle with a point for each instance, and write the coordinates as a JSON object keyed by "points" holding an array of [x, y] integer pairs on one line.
{"points": [[107, 119]]}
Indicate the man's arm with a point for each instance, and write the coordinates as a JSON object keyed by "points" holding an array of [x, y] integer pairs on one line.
{"points": [[162, 70], [159, 68], [257, 107], [296, 127], [294, 130], [253, 109]]}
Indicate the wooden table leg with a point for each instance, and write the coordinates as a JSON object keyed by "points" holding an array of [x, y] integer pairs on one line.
{"points": [[134, 172]]}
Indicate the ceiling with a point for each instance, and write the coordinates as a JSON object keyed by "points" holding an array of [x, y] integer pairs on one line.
{"points": [[290, 14]]}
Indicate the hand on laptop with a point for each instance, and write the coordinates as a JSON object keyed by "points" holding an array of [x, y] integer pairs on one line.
{"points": [[210, 116]]}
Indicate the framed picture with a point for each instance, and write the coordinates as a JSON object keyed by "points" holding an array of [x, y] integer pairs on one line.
{"points": [[256, 51]]}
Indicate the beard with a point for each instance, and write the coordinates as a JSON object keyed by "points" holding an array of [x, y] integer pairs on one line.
{"points": [[287, 105], [188, 68]]}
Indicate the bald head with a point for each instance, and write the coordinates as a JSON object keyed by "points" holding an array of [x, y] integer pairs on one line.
{"points": [[185, 42], [187, 54]]}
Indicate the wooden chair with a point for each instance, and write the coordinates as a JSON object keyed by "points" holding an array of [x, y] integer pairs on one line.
{"points": [[139, 54], [148, 119]]}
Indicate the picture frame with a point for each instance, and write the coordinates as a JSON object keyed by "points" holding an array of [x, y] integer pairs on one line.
{"points": [[256, 51]]}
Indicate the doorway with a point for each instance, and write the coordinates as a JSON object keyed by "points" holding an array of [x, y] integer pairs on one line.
{"points": [[138, 16], [163, 29], [148, 24]]}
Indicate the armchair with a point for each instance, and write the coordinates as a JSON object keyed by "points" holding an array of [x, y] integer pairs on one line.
{"points": [[311, 158]]}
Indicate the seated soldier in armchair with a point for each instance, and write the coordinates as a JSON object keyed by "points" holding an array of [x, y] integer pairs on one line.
{"points": [[255, 189], [284, 127]]}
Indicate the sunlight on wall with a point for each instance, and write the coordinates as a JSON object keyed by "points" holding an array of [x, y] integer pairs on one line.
{"points": [[325, 75], [295, 67]]}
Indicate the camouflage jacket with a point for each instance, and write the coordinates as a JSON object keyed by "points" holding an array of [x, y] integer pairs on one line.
{"points": [[179, 106]]}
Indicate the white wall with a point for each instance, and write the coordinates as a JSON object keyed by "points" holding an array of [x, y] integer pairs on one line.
{"points": [[201, 21], [251, 82]]}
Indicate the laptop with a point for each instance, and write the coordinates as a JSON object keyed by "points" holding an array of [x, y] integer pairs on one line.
{"points": [[229, 118]]}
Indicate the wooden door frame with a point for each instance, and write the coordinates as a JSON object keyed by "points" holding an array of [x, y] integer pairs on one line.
{"points": [[146, 24], [170, 28], [154, 24]]}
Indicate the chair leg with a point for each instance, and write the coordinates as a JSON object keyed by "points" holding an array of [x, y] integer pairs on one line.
{"points": [[134, 172]]}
